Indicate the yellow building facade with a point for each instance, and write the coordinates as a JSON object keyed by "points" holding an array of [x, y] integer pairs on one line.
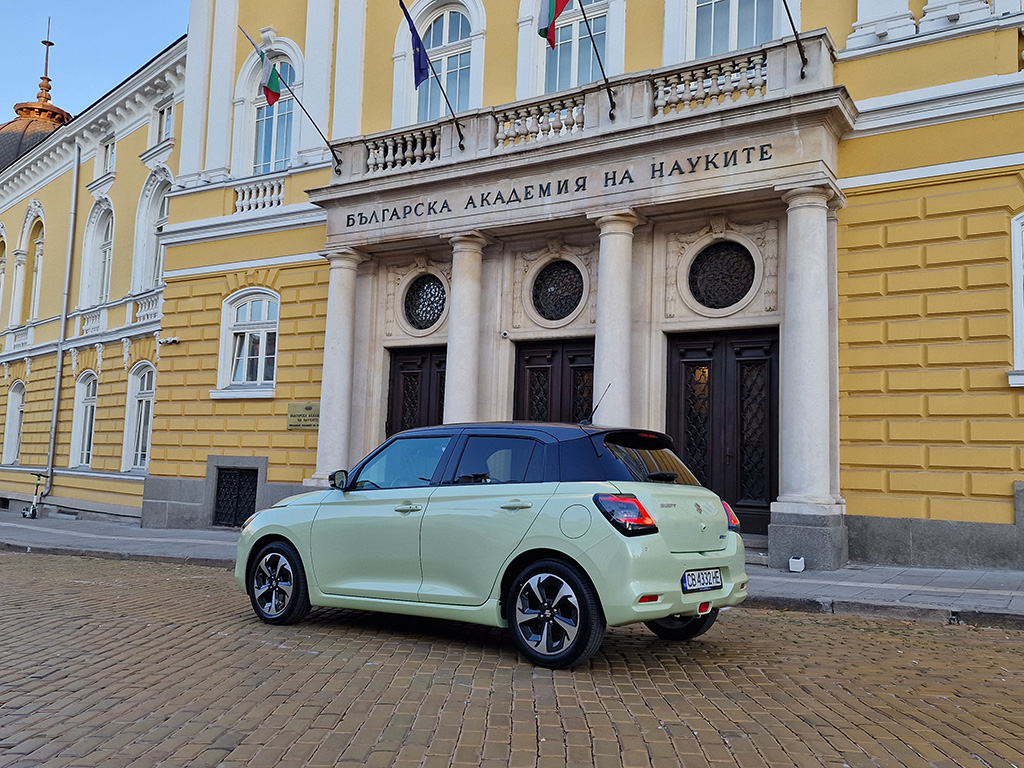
{"points": [[799, 254]]}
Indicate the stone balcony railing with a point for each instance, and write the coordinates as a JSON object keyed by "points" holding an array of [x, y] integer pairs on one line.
{"points": [[700, 89]]}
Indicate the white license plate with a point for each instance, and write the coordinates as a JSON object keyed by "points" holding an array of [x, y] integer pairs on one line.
{"points": [[702, 581]]}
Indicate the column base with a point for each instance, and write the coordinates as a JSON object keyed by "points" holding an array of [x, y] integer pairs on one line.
{"points": [[318, 480], [815, 532]]}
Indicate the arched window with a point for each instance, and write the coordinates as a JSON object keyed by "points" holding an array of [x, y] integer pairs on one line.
{"points": [[273, 147], [447, 42], [139, 418], [153, 214], [34, 269], [3, 263], [573, 60], [84, 420], [13, 422], [99, 256], [248, 359]]}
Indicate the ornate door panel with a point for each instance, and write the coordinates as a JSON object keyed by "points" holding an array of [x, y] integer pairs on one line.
{"points": [[723, 416], [554, 381], [416, 391]]}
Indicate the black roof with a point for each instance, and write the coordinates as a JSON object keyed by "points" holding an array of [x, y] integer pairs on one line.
{"points": [[556, 431]]}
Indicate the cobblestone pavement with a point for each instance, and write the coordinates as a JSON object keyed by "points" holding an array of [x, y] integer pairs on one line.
{"points": [[118, 663]]}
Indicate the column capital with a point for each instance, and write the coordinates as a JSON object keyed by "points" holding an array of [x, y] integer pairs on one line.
{"points": [[472, 238], [622, 220], [807, 197], [344, 257]]}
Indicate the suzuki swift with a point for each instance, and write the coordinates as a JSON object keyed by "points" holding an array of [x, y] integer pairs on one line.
{"points": [[555, 531]]}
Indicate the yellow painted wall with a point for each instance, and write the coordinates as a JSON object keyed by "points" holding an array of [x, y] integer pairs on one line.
{"points": [[189, 425], [929, 426], [289, 19], [838, 16], [645, 34]]}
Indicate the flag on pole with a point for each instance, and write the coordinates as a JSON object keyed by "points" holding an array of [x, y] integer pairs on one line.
{"points": [[269, 79], [420, 62], [550, 10]]}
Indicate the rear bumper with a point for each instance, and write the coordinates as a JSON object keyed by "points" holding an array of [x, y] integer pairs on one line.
{"points": [[652, 570]]}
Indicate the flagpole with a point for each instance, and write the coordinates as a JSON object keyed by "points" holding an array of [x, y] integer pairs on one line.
{"points": [[458, 125], [597, 53], [334, 154]]}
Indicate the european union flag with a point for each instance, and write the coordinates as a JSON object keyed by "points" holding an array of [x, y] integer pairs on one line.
{"points": [[420, 62]]}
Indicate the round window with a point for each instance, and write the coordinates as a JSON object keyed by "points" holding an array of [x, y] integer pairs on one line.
{"points": [[424, 302], [721, 275], [558, 290]]}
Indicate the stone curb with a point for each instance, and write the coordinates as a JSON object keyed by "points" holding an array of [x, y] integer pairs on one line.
{"points": [[206, 562]]}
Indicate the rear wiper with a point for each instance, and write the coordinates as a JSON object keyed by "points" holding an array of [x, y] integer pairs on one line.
{"points": [[663, 476]]}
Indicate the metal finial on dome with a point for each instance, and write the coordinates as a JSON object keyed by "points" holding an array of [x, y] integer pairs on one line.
{"points": [[43, 96]]}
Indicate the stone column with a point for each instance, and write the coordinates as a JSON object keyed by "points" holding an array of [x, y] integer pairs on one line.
{"points": [[333, 437], [613, 384], [881, 21], [462, 367], [806, 521]]}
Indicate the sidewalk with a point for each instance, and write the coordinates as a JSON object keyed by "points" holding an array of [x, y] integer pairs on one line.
{"points": [[984, 598]]}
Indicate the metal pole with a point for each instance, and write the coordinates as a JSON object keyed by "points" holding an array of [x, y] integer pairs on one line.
{"points": [[597, 53]]}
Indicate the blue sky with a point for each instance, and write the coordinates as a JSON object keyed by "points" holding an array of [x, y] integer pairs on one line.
{"points": [[97, 44]]}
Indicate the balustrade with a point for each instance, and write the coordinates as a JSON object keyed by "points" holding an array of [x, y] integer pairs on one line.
{"points": [[743, 78], [404, 150], [258, 195], [544, 121]]}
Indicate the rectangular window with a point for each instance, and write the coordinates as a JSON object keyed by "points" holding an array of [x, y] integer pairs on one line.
{"points": [[574, 59], [165, 123], [108, 153]]}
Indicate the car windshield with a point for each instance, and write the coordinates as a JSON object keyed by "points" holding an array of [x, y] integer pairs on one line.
{"points": [[649, 458]]}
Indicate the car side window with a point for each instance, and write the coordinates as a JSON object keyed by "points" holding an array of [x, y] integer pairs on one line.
{"points": [[406, 463], [499, 460]]}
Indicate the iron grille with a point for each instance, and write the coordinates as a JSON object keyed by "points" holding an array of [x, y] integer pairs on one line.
{"points": [[236, 495], [721, 275]]}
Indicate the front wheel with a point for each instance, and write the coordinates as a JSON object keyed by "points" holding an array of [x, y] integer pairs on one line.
{"points": [[277, 584], [554, 614], [682, 627]]}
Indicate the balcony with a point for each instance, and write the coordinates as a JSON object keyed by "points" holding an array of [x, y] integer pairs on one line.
{"points": [[703, 91]]}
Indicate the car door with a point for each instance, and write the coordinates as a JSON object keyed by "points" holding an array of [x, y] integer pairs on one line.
{"points": [[479, 516], [366, 540]]}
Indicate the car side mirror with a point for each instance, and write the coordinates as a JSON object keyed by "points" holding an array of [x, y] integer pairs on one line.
{"points": [[338, 479]]}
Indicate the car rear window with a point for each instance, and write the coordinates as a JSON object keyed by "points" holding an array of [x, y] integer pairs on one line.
{"points": [[649, 458]]}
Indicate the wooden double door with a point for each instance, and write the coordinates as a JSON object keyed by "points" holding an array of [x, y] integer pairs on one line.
{"points": [[723, 415]]}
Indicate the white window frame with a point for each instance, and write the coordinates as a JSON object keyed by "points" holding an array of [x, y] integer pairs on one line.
{"points": [[227, 387], [164, 122], [138, 419], [151, 218], [83, 425], [37, 278], [405, 96], [249, 97], [570, 34], [106, 156], [97, 267], [14, 422], [680, 28], [1016, 376], [440, 55]]}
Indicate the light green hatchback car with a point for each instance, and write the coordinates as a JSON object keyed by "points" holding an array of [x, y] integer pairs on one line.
{"points": [[555, 531]]}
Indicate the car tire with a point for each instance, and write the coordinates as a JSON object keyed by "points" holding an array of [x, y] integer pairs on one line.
{"points": [[277, 584], [682, 627], [554, 614]]}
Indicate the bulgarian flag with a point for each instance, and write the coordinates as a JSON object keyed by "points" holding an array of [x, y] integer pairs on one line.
{"points": [[269, 79], [549, 12]]}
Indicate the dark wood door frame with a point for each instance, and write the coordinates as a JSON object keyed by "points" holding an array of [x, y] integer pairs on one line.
{"points": [[416, 388], [554, 380]]}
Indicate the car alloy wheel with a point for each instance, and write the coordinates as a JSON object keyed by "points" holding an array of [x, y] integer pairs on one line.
{"points": [[277, 585], [682, 627], [554, 615]]}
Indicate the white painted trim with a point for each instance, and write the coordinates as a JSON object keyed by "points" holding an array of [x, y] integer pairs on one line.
{"points": [[131, 413], [1014, 19], [197, 78], [349, 69], [680, 21], [225, 390], [404, 104], [238, 266], [241, 224], [1017, 254], [222, 78], [932, 171], [320, 21], [145, 224], [673, 46]]}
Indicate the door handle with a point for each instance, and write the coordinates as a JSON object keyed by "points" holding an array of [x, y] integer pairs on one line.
{"points": [[515, 504], [408, 508]]}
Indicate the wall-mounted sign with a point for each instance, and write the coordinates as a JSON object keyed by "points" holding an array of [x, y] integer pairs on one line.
{"points": [[303, 416]]}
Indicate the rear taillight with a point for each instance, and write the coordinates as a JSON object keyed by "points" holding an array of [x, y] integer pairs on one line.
{"points": [[734, 522], [626, 513]]}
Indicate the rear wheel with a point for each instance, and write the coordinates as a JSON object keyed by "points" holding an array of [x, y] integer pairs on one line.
{"points": [[277, 584], [682, 627], [554, 614]]}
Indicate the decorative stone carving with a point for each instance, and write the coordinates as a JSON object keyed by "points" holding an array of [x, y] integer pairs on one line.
{"points": [[99, 357], [28, 368], [396, 275], [126, 350], [74, 361], [682, 245], [525, 262]]}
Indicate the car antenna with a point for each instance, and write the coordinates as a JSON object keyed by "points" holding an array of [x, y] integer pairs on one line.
{"points": [[590, 419]]}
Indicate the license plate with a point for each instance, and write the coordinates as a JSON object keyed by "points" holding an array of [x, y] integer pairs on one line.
{"points": [[702, 581]]}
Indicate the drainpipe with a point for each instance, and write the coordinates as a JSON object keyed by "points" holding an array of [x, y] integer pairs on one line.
{"points": [[72, 222]]}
